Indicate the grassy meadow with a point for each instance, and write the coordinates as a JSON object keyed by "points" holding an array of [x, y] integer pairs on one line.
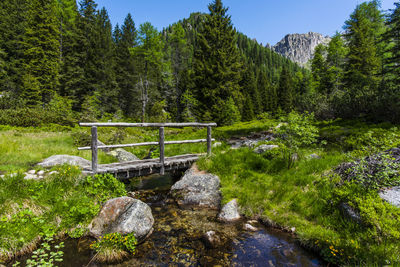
{"points": [[304, 197]]}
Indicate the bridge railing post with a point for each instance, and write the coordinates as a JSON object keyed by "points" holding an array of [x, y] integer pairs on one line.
{"points": [[94, 149], [209, 140], [161, 144]]}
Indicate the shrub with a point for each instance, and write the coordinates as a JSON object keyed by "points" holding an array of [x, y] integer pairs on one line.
{"points": [[26, 117], [297, 132], [81, 138]]}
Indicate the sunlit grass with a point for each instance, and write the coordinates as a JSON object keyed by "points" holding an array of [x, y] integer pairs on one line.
{"points": [[305, 198], [22, 150]]}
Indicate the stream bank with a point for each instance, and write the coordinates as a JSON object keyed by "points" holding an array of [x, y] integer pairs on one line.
{"points": [[178, 237]]}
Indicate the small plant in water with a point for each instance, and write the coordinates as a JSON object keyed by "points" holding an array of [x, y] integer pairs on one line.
{"points": [[114, 247], [46, 255]]}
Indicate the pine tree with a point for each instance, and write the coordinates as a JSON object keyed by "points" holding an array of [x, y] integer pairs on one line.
{"points": [[250, 90], [72, 73], [217, 66], [285, 91], [125, 39], [85, 53], [364, 59], [319, 69], [13, 23], [390, 95], [264, 87], [42, 52], [103, 59], [335, 62], [392, 38]]}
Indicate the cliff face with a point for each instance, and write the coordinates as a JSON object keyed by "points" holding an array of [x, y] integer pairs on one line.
{"points": [[300, 47]]}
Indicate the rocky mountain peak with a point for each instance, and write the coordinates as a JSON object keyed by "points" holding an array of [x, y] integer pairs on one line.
{"points": [[300, 47]]}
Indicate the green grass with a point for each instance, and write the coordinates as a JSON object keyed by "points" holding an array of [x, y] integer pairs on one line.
{"points": [[21, 148], [44, 208], [307, 197]]}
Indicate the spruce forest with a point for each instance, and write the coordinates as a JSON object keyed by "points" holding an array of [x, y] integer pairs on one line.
{"points": [[56, 53]]}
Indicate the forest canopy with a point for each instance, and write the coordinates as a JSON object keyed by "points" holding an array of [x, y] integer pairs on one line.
{"points": [[60, 59]]}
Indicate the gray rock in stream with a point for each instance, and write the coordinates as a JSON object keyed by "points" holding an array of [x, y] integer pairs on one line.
{"points": [[64, 159], [123, 215], [197, 189], [391, 195], [230, 212]]}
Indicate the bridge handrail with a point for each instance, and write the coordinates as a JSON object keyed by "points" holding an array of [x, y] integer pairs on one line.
{"points": [[167, 124], [161, 142]]}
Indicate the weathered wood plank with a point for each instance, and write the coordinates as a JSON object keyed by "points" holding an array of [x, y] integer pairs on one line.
{"points": [[162, 159], [126, 170], [209, 140], [148, 144], [94, 149], [125, 124]]}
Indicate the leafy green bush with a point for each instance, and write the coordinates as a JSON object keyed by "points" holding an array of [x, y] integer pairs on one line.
{"points": [[297, 131], [104, 187]]}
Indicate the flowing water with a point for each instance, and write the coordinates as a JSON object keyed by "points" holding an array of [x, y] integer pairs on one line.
{"points": [[178, 237]]}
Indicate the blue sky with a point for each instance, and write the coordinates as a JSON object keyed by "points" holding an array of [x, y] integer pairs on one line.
{"points": [[265, 20]]}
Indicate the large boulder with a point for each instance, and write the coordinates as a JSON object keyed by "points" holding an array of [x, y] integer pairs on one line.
{"points": [[391, 195], [123, 215], [64, 159], [197, 188], [122, 155], [229, 212]]}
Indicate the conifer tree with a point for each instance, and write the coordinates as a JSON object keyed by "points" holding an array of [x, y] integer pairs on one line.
{"points": [[125, 39], [85, 54], [103, 56], [13, 23], [390, 95], [217, 66], [42, 52], [250, 90], [319, 69], [266, 94], [285, 91], [335, 60], [364, 59], [72, 73], [392, 38]]}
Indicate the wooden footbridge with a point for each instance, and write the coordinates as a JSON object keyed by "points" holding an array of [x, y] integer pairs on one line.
{"points": [[126, 170]]}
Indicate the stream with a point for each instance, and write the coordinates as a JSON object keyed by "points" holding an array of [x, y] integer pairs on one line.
{"points": [[177, 239]]}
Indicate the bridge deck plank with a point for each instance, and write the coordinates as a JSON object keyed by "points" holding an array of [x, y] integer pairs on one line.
{"points": [[125, 170]]}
